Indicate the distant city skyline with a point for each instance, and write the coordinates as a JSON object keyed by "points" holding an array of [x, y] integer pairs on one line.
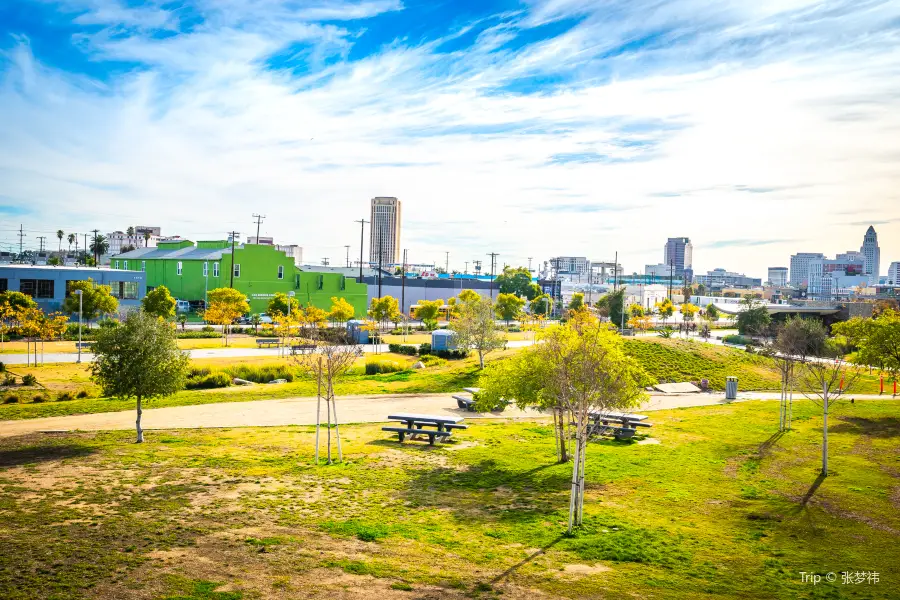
{"points": [[554, 128]]}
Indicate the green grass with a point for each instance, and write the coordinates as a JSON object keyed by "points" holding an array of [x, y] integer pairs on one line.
{"points": [[719, 508]]}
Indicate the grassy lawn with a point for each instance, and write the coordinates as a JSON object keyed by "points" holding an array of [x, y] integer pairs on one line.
{"points": [[715, 507], [422, 338], [234, 341]]}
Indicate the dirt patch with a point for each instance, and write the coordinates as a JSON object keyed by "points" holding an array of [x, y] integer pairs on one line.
{"points": [[650, 441], [585, 569]]}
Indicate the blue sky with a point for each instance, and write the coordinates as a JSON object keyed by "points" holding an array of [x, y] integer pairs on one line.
{"points": [[528, 128]]}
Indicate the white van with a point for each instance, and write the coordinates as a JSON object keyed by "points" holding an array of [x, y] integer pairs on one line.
{"points": [[182, 306]]}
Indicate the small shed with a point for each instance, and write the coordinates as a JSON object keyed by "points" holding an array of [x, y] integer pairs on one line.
{"points": [[356, 332], [443, 339]]}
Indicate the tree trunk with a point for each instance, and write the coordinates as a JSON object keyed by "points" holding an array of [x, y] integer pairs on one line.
{"points": [[337, 430], [318, 407], [561, 434], [825, 429], [481, 359], [137, 423]]}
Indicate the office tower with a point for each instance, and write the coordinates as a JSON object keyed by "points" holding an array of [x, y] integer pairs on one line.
{"points": [[679, 253], [384, 239], [894, 274], [872, 254], [778, 276], [800, 267]]}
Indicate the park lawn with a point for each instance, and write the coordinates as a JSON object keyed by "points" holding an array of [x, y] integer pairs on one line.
{"points": [[718, 507], [67, 347], [423, 338]]}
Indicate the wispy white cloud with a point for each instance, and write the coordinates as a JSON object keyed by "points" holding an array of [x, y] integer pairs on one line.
{"points": [[728, 123]]}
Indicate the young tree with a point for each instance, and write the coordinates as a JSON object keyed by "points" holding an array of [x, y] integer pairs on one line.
{"points": [[508, 307], [689, 311], [712, 313], [224, 306], [428, 312], [327, 365], [577, 301], [635, 310], [314, 316], [540, 305], [687, 291], [384, 309], [475, 328], [282, 304], [754, 318], [877, 341], [159, 302], [341, 310], [182, 320], [456, 301], [797, 340], [96, 300], [823, 382], [665, 309], [517, 281], [139, 360], [640, 323], [255, 320], [611, 306]]}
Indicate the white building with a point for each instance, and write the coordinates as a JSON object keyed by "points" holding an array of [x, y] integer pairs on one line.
{"points": [[778, 276], [872, 254], [830, 278], [645, 295], [119, 240], [659, 271], [292, 250], [571, 265], [893, 277], [384, 238], [851, 255], [800, 267]]}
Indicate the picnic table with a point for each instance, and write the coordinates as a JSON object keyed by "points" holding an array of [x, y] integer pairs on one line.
{"points": [[83, 345], [620, 425], [434, 426], [267, 342], [302, 348]]}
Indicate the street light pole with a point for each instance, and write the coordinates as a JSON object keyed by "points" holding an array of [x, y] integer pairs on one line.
{"points": [[80, 298]]}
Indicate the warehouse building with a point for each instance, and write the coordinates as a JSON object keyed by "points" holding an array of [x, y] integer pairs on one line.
{"points": [[49, 285]]}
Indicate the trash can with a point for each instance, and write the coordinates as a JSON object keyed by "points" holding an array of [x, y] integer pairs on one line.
{"points": [[731, 388]]}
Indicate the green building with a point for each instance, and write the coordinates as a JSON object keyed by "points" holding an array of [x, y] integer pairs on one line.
{"points": [[259, 271]]}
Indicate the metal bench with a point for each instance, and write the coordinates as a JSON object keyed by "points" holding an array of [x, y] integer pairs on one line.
{"points": [[267, 342], [302, 348], [83, 345], [432, 434]]}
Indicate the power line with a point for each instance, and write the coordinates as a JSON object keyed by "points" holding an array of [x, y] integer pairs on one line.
{"points": [[259, 219], [347, 246], [493, 256], [21, 238]]}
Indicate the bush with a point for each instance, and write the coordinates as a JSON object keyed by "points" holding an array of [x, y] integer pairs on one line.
{"points": [[424, 349], [9, 380], [737, 339], [209, 381], [65, 397], [10, 399], [38, 398], [429, 360], [83, 394], [263, 374], [514, 329], [108, 324], [451, 354], [188, 335], [207, 328], [29, 380], [402, 349], [2, 367], [376, 366]]}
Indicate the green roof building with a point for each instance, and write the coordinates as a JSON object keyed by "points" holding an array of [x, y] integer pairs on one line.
{"points": [[259, 271]]}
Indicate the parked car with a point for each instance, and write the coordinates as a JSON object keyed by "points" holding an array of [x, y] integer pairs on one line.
{"points": [[245, 320], [182, 306], [265, 319]]}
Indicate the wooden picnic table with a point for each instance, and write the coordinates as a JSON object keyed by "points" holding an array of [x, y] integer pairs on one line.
{"points": [[419, 424], [628, 423]]}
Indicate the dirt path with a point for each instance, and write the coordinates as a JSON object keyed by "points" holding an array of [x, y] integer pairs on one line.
{"points": [[302, 411]]}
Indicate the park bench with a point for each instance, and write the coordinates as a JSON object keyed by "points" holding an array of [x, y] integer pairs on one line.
{"points": [[465, 403], [435, 427], [83, 345], [268, 342], [303, 348], [622, 426]]}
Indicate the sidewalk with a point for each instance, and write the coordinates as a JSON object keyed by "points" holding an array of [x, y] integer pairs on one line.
{"points": [[302, 411]]}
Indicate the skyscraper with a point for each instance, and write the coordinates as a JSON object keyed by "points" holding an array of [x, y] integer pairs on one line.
{"points": [[872, 254], [800, 267], [679, 254], [384, 239]]}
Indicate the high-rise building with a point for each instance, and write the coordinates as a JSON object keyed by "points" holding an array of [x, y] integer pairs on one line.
{"points": [[851, 255], [894, 274], [778, 276], [679, 252], [831, 278], [872, 254], [800, 267], [720, 278], [384, 239]]}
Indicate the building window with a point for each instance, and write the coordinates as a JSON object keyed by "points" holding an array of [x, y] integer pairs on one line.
{"points": [[280, 271], [117, 264], [178, 268], [129, 290], [215, 269], [125, 264], [320, 282], [237, 270], [205, 269], [343, 283], [143, 265], [4, 285], [37, 288]]}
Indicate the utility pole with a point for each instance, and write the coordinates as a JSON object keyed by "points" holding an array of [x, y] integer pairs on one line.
{"points": [[259, 219], [380, 255], [476, 266], [85, 247], [467, 267], [362, 229], [616, 273], [493, 256], [233, 235], [21, 238], [671, 271], [403, 285], [96, 248], [447, 263], [347, 246], [529, 264], [41, 239], [325, 262]]}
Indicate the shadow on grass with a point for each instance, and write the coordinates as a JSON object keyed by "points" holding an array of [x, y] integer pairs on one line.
{"points": [[511, 571], [42, 453], [884, 427]]}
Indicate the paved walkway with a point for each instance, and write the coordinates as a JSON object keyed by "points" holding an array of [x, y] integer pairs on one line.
{"points": [[302, 411]]}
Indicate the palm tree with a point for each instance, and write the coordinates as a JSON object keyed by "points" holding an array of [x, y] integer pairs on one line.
{"points": [[60, 233], [99, 247], [130, 231], [71, 239], [146, 238]]}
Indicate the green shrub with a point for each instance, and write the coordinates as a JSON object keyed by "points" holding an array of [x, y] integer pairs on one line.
{"points": [[190, 335], [83, 394], [736, 339], [424, 349], [451, 354], [207, 329], [29, 380], [429, 360], [9, 380], [260, 374], [2, 367], [65, 397], [38, 398], [209, 381], [402, 349], [375, 366], [10, 399]]}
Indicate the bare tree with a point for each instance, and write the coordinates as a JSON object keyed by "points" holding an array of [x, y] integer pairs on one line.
{"points": [[796, 341], [824, 381], [327, 364]]}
